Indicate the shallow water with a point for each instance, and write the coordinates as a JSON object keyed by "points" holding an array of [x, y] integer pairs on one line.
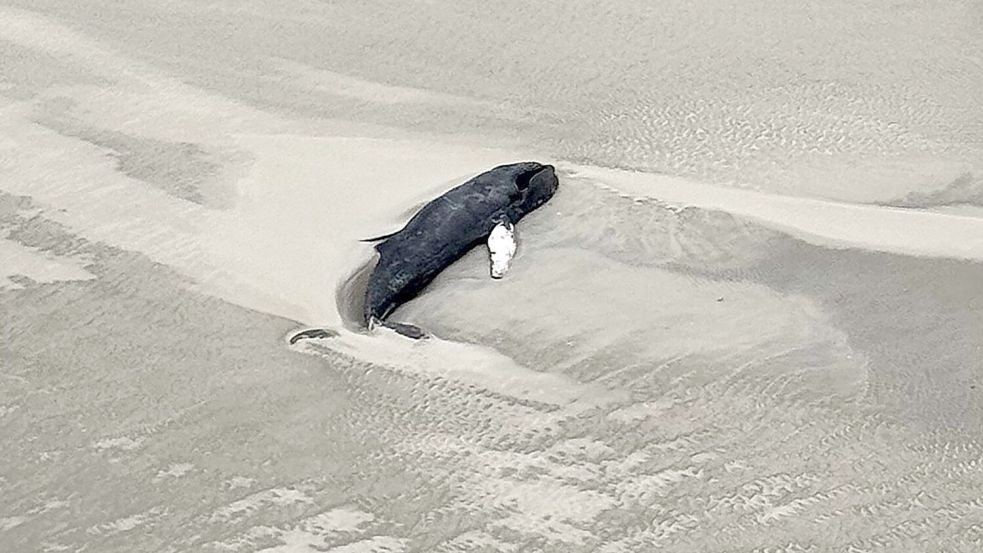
{"points": [[770, 340]]}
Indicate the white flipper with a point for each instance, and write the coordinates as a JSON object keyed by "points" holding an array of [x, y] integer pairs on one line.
{"points": [[501, 248]]}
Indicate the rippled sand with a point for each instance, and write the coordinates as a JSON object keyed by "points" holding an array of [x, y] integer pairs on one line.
{"points": [[750, 320]]}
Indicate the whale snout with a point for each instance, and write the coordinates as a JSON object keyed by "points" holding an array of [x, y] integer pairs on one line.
{"points": [[548, 175], [537, 185]]}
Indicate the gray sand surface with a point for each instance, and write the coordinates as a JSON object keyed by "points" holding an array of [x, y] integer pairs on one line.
{"points": [[182, 185]]}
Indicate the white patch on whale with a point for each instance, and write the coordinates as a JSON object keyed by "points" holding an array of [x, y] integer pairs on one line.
{"points": [[501, 248]]}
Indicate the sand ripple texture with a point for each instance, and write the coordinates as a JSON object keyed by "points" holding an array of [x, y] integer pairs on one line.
{"points": [[863, 102], [139, 420], [179, 183]]}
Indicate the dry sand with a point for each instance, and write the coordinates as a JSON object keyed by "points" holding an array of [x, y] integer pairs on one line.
{"points": [[750, 320]]}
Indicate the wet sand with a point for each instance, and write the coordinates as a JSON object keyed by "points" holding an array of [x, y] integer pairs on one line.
{"points": [[750, 320]]}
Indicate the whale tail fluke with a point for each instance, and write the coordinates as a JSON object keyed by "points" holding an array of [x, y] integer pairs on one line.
{"points": [[410, 331]]}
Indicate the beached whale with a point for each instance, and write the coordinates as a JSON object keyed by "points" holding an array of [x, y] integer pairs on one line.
{"points": [[482, 209], [447, 228]]}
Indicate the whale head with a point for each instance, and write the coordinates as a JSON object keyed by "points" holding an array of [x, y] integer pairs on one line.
{"points": [[535, 183]]}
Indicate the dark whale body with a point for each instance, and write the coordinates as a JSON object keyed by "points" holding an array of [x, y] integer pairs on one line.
{"points": [[447, 228]]}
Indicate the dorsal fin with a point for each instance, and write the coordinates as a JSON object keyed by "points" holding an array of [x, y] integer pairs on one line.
{"points": [[381, 238], [406, 216]]}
